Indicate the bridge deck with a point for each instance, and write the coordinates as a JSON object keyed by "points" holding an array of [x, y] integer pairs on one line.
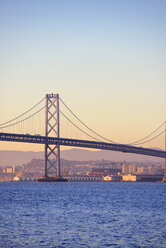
{"points": [[81, 143]]}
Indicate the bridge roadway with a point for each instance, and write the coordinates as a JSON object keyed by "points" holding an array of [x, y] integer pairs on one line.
{"points": [[81, 143]]}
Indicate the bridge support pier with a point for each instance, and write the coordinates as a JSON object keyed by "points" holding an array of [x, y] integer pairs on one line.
{"points": [[165, 157]]}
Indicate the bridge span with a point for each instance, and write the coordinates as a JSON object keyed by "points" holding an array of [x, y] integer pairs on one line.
{"points": [[52, 139], [81, 143]]}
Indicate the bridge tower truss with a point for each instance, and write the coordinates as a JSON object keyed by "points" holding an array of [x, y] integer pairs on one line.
{"points": [[52, 152], [165, 157]]}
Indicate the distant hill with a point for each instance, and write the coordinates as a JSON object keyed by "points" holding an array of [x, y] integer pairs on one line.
{"points": [[82, 154], [20, 157]]}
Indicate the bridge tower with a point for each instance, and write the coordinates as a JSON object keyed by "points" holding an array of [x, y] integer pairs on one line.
{"points": [[52, 152], [165, 157]]}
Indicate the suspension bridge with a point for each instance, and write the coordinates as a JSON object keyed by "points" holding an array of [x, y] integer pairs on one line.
{"points": [[16, 130]]}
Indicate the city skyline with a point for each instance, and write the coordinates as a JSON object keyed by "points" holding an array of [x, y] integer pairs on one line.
{"points": [[106, 59]]}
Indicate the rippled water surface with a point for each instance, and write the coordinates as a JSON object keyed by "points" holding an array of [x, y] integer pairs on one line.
{"points": [[83, 214]]}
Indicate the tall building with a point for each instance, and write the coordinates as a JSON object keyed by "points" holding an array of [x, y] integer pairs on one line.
{"points": [[125, 169], [9, 170], [140, 170], [132, 169]]}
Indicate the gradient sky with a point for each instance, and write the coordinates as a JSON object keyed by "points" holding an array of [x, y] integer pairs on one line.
{"points": [[106, 59]]}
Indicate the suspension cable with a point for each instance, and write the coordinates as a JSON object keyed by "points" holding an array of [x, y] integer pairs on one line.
{"points": [[151, 138], [100, 140], [147, 135], [23, 119], [78, 127], [133, 143], [23, 113], [86, 125]]}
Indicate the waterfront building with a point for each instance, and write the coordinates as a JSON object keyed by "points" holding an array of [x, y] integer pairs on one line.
{"points": [[24, 179], [142, 178], [100, 172], [84, 178], [129, 178], [113, 178]]}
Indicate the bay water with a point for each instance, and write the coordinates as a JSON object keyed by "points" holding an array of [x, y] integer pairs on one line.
{"points": [[82, 214]]}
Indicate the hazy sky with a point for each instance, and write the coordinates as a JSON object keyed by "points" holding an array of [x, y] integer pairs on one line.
{"points": [[106, 59]]}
